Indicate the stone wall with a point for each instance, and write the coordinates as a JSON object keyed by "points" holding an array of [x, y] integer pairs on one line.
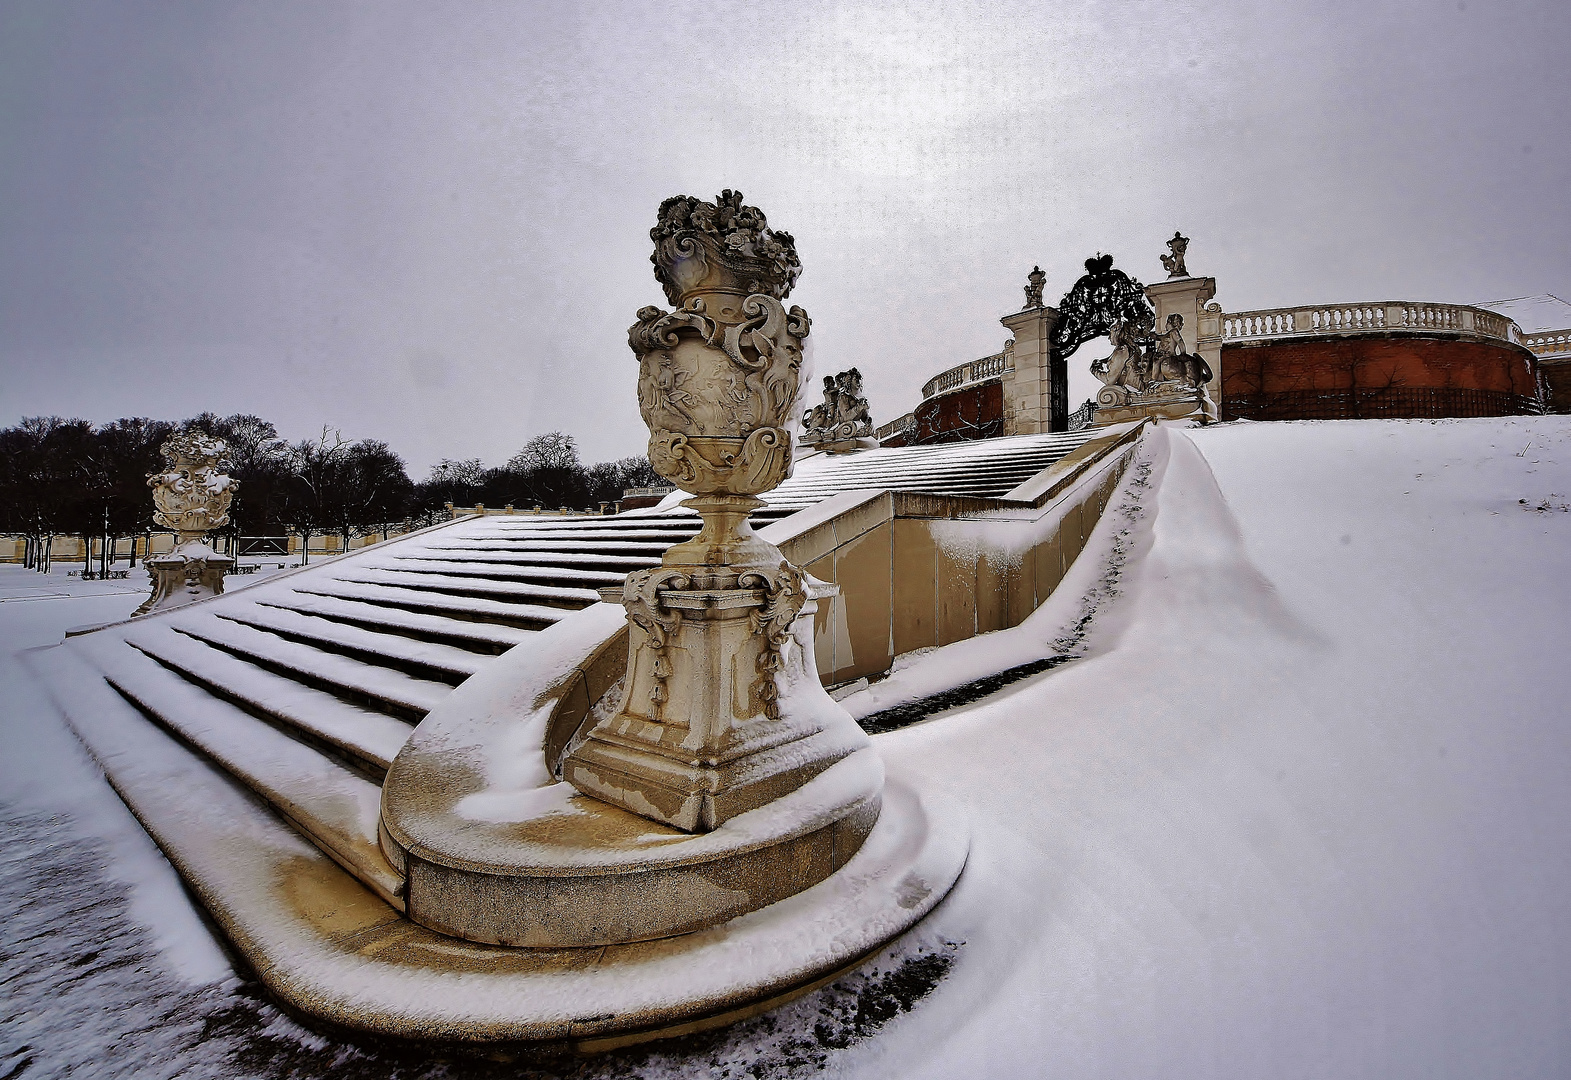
{"points": [[1375, 376]]}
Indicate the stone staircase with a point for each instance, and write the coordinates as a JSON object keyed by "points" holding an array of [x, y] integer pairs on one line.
{"points": [[302, 688]]}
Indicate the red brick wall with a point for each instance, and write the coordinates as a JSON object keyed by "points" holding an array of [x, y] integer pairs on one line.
{"points": [[975, 412], [1368, 375]]}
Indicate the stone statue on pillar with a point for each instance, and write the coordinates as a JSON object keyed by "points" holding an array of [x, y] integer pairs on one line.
{"points": [[1174, 262], [1034, 282], [191, 496], [722, 710]]}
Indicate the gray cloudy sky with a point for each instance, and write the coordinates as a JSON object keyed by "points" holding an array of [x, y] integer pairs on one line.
{"points": [[428, 223]]}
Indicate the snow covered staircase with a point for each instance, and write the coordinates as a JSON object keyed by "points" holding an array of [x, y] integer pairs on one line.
{"points": [[294, 694], [303, 688]]}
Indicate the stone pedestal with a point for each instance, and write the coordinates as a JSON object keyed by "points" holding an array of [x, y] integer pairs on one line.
{"points": [[723, 710], [192, 571], [1187, 296], [1036, 392], [1161, 402]]}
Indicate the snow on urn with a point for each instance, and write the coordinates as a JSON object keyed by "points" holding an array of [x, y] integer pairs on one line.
{"points": [[719, 377], [191, 496], [722, 710]]}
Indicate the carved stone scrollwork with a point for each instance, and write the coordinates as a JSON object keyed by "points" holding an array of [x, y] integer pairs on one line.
{"points": [[721, 246], [720, 714], [191, 496], [786, 592], [719, 377], [641, 596]]}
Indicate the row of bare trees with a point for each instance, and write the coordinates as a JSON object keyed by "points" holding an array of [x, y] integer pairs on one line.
{"points": [[66, 477]]}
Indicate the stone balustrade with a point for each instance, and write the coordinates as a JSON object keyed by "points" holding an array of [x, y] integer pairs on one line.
{"points": [[894, 427], [1369, 318], [989, 367], [1549, 343]]}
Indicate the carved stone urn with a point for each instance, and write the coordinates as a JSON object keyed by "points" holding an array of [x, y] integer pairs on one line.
{"points": [[722, 709], [719, 377], [191, 496]]}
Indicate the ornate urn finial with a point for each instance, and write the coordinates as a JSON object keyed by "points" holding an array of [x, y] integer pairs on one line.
{"points": [[1174, 263], [719, 379], [191, 496], [720, 247]]}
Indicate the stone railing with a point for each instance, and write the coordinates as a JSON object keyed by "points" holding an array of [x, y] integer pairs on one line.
{"points": [[1369, 318], [989, 367], [895, 427], [1548, 343]]}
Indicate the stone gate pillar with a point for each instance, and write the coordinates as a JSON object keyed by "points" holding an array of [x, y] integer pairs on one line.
{"points": [[1184, 295], [1036, 392]]}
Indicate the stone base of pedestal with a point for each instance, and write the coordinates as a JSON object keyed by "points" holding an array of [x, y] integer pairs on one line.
{"points": [[838, 446], [191, 572], [1187, 404], [573, 872], [721, 715]]}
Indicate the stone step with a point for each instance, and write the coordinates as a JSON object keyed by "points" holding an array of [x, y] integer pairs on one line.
{"points": [[337, 809], [384, 689], [518, 616], [474, 587], [369, 740], [496, 570], [485, 639], [421, 659]]}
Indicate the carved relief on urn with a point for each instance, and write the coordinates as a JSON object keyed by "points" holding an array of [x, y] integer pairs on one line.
{"points": [[192, 494], [719, 377]]}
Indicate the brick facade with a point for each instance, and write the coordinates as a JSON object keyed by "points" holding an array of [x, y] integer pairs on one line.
{"points": [[1370, 376]]}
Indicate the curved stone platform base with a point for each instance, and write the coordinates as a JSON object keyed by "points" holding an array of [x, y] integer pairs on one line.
{"points": [[577, 872]]}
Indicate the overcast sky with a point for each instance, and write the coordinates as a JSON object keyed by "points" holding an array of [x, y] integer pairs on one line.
{"points": [[428, 223]]}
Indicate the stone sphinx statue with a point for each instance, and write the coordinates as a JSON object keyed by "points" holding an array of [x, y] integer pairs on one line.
{"points": [[844, 415], [1171, 362]]}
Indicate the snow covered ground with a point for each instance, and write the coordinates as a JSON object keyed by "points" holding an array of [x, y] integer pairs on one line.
{"points": [[1300, 809]]}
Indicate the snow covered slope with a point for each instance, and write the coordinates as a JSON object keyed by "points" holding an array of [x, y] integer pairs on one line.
{"points": [[1302, 810]]}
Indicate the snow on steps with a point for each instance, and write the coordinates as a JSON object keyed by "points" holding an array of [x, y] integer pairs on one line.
{"points": [[389, 690], [371, 739], [486, 638], [336, 808]]}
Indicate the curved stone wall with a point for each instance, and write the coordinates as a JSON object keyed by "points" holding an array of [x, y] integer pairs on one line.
{"points": [[1376, 376], [975, 411]]}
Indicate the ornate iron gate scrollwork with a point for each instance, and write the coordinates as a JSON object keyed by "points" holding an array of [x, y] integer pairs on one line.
{"points": [[1103, 297]]}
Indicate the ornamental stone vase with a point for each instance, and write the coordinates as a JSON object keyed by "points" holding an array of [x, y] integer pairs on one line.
{"points": [[191, 496], [722, 710]]}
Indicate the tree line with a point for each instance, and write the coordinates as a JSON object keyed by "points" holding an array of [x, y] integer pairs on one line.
{"points": [[70, 478]]}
